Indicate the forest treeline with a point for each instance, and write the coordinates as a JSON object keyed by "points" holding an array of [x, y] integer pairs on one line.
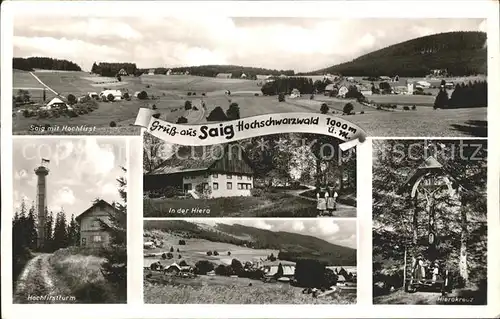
{"points": [[235, 70], [59, 233], [293, 246], [112, 69], [460, 53], [29, 64]]}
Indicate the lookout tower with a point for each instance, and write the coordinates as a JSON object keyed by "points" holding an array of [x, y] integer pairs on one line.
{"points": [[41, 202]]}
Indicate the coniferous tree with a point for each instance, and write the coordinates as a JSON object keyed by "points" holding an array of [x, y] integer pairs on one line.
{"points": [[49, 229], [31, 228], [73, 232], [115, 267], [60, 231]]}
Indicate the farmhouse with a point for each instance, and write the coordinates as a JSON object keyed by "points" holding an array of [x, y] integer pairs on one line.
{"points": [[151, 72], [424, 84], [295, 93], [329, 88], [343, 91], [92, 233], [169, 72], [385, 78], [364, 90], [224, 75], [149, 245], [173, 269], [122, 72], [56, 103], [263, 77], [341, 280], [243, 76], [93, 95], [116, 93], [208, 171]]}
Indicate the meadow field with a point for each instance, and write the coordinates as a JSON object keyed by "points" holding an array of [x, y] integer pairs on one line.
{"points": [[171, 92], [227, 290], [269, 205], [196, 249], [167, 289]]}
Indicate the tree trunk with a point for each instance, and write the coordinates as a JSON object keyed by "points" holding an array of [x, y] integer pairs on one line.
{"points": [[462, 265], [415, 220]]}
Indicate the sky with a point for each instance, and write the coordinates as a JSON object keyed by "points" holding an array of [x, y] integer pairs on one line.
{"points": [[339, 232], [301, 44], [80, 170]]}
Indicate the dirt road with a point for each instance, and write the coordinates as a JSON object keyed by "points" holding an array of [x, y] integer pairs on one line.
{"points": [[342, 210], [38, 283], [48, 88]]}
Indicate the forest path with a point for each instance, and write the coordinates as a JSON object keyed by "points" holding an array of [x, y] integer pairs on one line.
{"points": [[39, 283], [342, 209]]}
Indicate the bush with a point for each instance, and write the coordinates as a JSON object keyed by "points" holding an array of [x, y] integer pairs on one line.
{"points": [[26, 113], [71, 99], [209, 253], [72, 113], [324, 108], [112, 124], [379, 107], [182, 242], [229, 253], [216, 253], [217, 115], [202, 267], [256, 94], [362, 112], [222, 270], [257, 192], [43, 114], [348, 108], [181, 120], [179, 257], [143, 95], [164, 256], [170, 255], [126, 96], [281, 97], [183, 263], [236, 266], [111, 97], [188, 105], [189, 93], [414, 107], [406, 108], [203, 94], [148, 86], [310, 273], [194, 93], [233, 112], [171, 249]]}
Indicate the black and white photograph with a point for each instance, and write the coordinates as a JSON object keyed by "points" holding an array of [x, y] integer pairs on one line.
{"points": [[430, 222], [280, 175], [392, 77], [236, 261], [69, 228]]}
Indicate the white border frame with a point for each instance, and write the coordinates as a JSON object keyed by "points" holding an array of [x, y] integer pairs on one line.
{"points": [[345, 9]]}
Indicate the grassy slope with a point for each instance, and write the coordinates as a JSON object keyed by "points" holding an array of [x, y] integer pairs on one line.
{"points": [[172, 93], [232, 234], [226, 290], [269, 205]]}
